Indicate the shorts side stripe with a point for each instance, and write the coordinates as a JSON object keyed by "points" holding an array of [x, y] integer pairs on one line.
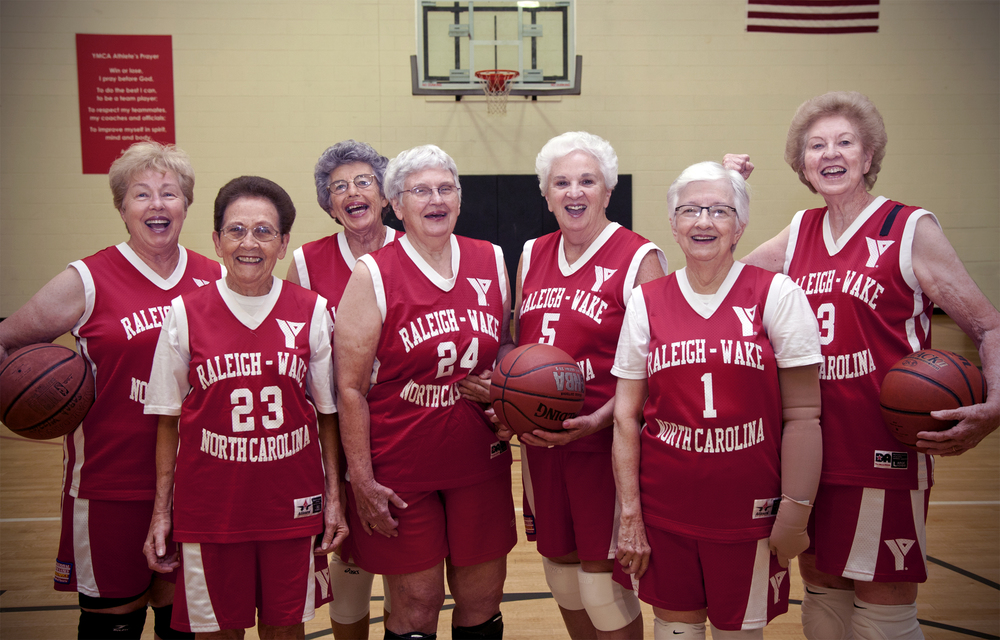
{"points": [[917, 499], [86, 581], [201, 614], [867, 536], [309, 611], [756, 612], [529, 493]]}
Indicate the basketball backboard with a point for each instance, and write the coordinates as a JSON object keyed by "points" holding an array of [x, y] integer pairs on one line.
{"points": [[536, 38]]}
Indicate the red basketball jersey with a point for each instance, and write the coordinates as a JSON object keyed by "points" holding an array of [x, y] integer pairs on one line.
{"points": [[871, 312], [435, 332], [325, 266], [111, 456], [710, 451], [248, 463], [579, 308]]}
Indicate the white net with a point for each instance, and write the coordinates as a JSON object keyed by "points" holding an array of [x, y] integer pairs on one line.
{"points": [[496, 85]]}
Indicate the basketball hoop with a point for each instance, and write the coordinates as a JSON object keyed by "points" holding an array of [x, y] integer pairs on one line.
{"points": [[496, 85]]}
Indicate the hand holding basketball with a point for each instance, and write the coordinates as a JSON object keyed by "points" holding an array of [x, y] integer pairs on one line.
{"points": [[926, 392], [536, 387]]}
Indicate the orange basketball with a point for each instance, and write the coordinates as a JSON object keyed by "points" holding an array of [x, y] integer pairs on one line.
{"points": [[927, 381], [536, 386], [45, 391]]}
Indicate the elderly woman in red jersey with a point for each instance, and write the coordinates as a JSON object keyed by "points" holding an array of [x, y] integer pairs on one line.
{"points": [[246, 451], [349, 180], [718, 360], [114, 303], [887, 264], [429, 479], [568, 483]]}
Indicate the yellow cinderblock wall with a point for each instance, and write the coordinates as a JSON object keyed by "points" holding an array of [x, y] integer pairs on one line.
{"points": [[263, 86]]}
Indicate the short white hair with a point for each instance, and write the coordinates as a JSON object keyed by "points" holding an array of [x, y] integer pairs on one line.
{"points": [[567, 143], [416, 159], [713, 172]]}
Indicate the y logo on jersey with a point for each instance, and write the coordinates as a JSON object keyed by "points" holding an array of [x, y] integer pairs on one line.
{"points": [[481, 286], [776, 581], [602, 276], [200, 282], [899, 548], [290, 329], [746, 316], [875, 249]]}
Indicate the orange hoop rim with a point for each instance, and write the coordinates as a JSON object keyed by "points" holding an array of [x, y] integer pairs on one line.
{"points": [[497, 79]]}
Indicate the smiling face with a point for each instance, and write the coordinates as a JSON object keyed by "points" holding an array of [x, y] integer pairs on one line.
{"points": [[250, 262], [576, 194], [153, 211], [431, 218], [357, 209], [706, 239], [835, 161]]}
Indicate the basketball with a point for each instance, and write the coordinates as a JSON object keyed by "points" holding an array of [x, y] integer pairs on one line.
{"points": [[536, 386], [45, 391], [927, 381]]}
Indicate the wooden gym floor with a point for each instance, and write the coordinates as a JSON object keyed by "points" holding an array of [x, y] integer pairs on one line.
{"points": [[960, 600]]}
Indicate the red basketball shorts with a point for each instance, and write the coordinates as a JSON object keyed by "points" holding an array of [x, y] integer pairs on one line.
{"points": [[569, 501], [740, 583], [227, 585], [100, 548], [872, 535], [470, 524]]}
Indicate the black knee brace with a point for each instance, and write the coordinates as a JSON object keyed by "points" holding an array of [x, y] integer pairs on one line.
{"points": [[413, 635], [162, 628], [113, 626], [492, 629]]}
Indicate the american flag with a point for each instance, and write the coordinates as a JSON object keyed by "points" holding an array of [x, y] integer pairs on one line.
{"points": [[813, 16]]}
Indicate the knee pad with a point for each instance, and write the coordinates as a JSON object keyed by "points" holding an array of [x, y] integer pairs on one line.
{"points": [[492, 629], [742, 634], [162, 628], [663, 630], [352, 592], [886, 621], [563, 584], [116, 626], [827, 613], [609, 605], [413, 635]]}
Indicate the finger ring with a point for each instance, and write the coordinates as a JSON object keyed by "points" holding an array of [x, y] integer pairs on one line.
{"points": [[372, 525]]}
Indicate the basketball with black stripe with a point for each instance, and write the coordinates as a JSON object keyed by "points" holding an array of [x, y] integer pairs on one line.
{"points": [[45, 391], [925, 381], [536, 386]]}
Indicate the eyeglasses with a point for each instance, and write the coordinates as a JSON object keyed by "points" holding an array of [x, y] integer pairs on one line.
{"points": [[715, 211], [262, 233], [362, 181], [424, 193]]}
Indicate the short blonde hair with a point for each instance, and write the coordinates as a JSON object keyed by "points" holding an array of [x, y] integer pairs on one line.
{"points": [[852, 105], [145, 156]]}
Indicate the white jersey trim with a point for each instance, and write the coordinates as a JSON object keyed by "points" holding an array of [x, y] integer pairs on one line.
{"points": [[568, 269], [439, 281], [526, 260], [906, 269], [833, 247], [504, 289], [793, 236], [633, 267], [299, 258], [251, 311], [377, 284], [168, 382]]}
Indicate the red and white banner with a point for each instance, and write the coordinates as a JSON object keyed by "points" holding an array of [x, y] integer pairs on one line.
{"points": [[812, 16], [126, 94]]}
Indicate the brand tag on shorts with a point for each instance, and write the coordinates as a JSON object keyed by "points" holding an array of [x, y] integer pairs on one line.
{"points": [[64, 572], [891, 459], [529, 525], [497, 449], [305, 507], [766, 507]]}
